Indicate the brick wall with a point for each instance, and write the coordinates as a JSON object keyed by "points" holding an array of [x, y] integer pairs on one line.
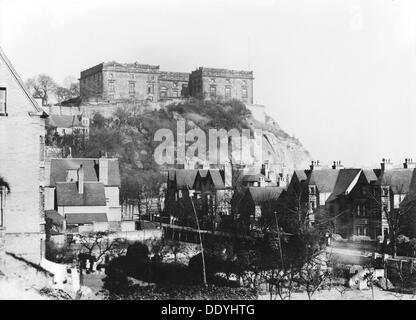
{"points": [[20, 164]]}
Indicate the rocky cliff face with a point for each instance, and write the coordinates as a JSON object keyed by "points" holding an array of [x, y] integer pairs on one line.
{"points": [[284, 153]]}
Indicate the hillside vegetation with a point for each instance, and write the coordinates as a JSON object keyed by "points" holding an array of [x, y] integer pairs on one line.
{"points": [[128, 135]]}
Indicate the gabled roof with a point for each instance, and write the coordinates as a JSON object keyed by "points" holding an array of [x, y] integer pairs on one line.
{"points": [[253, 177], [85, 218], [217, 179], [264, 194], [398, 179], [36, 108], [67, 194], [59, 168], [324, 179], [64, 121], [370, 174], [185, 178], [301, 175], [346, 177], [54, 216]]}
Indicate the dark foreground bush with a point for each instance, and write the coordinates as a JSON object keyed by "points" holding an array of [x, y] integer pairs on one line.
{"points": [[185, 293], [157, 272]]}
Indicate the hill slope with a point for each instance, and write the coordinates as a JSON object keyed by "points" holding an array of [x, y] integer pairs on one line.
{"points": [[129, 135]]}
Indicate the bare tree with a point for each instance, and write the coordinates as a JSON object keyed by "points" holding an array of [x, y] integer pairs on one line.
{"points": [[99, 244], [41, 87]]}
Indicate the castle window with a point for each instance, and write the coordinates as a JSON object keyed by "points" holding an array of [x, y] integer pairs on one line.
{"points": [[244, 92], [150, 89], [228, 92], [111, 86], [213, 91], [132, 87], [3, 102]]}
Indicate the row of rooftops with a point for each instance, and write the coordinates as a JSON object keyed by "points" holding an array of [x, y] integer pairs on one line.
{"points": [[164, 75], [333, 181], [82, 182], [183, 179], [339, 180]]}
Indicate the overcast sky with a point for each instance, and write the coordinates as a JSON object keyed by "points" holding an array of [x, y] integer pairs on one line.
{"points": [[339, 75]]}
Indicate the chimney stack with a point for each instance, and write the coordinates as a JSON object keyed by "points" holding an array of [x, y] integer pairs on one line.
{"points": [[386, 164], [81, 179], [315, 165], [103, 170], [337, 165], [408, 163]]}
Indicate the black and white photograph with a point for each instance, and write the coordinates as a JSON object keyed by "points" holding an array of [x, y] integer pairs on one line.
{"points": [[237, 151]]}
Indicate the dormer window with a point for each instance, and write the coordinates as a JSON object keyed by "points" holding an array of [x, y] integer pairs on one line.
{"points": [[3, 102], [312, 189]]}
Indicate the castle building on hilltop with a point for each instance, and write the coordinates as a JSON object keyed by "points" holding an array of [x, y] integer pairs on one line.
{"points": [[113, 81], [213, 83], [110, 81]]}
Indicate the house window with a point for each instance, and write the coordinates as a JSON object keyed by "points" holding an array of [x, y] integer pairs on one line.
{"points": [[110, 75], [228, 92], [313, 205], [163, 94], [3, 192], [175, 93], [244, 92], [132, 76], [213, 91], [385, 192], [358, 211], [175, 84], [212, 80], [3, 101]]}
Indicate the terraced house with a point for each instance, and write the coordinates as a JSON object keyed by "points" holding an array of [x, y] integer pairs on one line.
{"points": [[357, 201], [22, 136]]}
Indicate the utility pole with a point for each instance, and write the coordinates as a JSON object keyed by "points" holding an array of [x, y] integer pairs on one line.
{"points": [[278, 236], [200, 241]]}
